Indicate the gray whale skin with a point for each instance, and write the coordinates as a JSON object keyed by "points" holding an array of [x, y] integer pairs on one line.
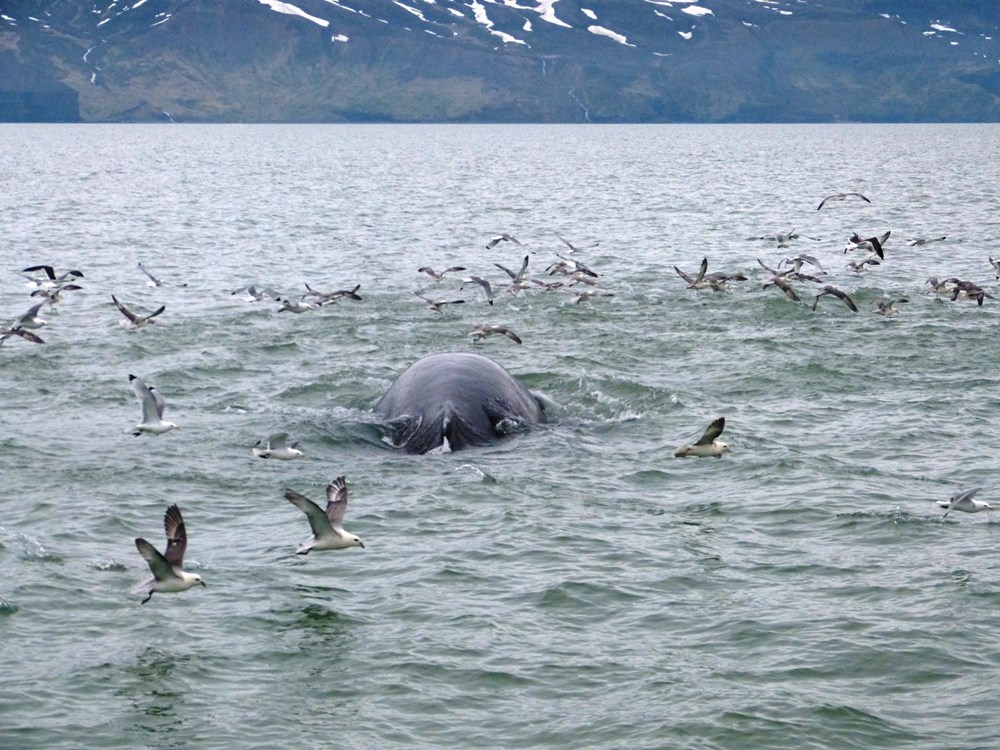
{"points": [[453, 401]]}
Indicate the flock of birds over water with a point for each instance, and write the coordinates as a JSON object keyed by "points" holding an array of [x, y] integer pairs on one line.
{"points": [[564, 273]]}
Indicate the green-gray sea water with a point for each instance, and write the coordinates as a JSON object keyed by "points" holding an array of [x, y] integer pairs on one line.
{"points": [[573, 587]]}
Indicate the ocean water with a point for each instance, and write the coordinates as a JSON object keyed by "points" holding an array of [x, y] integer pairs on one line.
{"points": [[573, 587]]}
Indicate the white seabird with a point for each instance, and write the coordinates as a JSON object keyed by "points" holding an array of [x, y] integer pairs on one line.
{"points": [[840, 197], [487, 289], [439, 276], [30, 318], [327, 526], [152, 404], [502, 237], [483, 330], [708, 444], [168, 572], [50, 280], [963, 501], [277, 446], [153, 281], [436, 305], [133, 320]]}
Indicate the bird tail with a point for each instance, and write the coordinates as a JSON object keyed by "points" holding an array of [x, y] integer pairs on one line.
{"points": [[305, 547]]}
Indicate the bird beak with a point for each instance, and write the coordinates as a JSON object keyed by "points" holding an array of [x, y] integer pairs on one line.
{"points": [[361, 544], [205, 585]]}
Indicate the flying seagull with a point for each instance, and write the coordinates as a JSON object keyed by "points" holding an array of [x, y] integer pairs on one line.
{"points": [[168, 572], [153, 281], [838, 293], [152, 404], [708, 444], [439, 276], [483, 330], [487, 289], [840, 197], [327, 526], [502, 237], [29, 318], [133, 320], [277, 446], [963, 501], [50, 280], [437, 305], [573, 248], [888, 307]]}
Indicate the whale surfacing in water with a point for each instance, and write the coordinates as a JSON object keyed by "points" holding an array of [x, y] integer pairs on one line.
{"points": [[453, 401]]}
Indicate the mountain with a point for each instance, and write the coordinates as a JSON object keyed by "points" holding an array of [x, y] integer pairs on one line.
{"points": [[499, 60]]}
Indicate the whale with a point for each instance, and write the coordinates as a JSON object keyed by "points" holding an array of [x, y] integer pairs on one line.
{"points": [[453, 401]]}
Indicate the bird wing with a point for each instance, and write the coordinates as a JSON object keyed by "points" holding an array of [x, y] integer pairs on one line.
{"points": [[712, 432], [157, 312], [318, 521], [506, 270], [702, 268], [158, 400], [684, 276], [157, 562], [173, 524], [512, 336], [277, 440], [787, 289], [150, 413], [48, 271], [454, 269], [28, 336], [152, 278], [336, 501], [124, 310]]}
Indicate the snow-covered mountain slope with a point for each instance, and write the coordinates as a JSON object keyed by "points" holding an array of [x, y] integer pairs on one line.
{"points": [[509, 60]]}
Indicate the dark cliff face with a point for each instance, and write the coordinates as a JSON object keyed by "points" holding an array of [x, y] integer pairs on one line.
{"points": [[497, 60]]}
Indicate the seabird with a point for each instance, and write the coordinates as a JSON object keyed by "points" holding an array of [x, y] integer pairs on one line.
{"points": [[439, 276], [872, 245], [708, 444], [923, 240], [54, 294], [796, 262], [970, 291], [779, 281], [840, 197], [963, 501], [133, 320], [256, 295], [50, 280], [487, 289], [860, 267], [701, 281], [483, 330], [520, 279], [168, 572], [502, 237], [588, 294], [838, 293], [941, 287], [888, 307], [996, 266], [153, 281], [152, 403], [567, 266], [327, 526], [573, 248], [277, 446], [436, 306], [29, 318]]}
